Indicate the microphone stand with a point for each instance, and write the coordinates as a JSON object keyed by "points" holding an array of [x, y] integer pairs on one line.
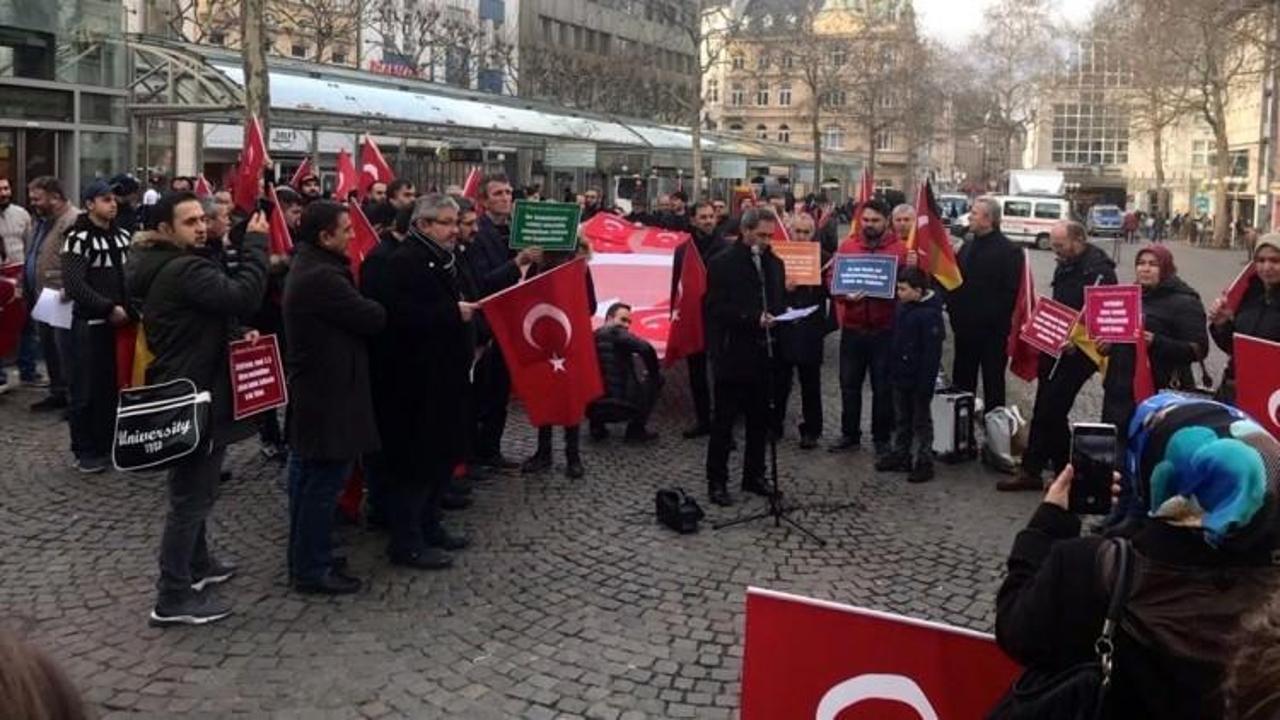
{"points": [[775, 508]]}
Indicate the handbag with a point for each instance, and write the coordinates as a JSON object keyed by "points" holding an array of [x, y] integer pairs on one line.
{"points": [[158, 425], [1078, 692], [677, 510]]}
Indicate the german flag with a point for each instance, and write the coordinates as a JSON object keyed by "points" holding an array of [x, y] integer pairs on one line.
{"points": [[930, 239]]}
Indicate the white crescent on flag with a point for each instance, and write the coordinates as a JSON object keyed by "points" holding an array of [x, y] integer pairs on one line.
{"points": [[372, 171], [548, 310], [897, 688], [1273, 405]]}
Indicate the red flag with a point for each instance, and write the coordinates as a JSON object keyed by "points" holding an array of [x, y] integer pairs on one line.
{"points": [[1257, 382], [352, 496], [1239, 286], [471, 188], [373, 167], [13, 309], [1144, 384], [932, 241], [544, 329], [279, 240], [663, 239], [608, 233], [866, 191], [347, 178], [203, 189], [303, 171], [253, 160], [364, 241], [685, 336], [780, 231], [1023, 358]]}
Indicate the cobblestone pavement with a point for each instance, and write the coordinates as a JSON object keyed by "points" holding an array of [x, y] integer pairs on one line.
{"points": [[571, 602]]}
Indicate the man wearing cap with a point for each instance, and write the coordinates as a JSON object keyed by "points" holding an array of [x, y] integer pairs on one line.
{"points": [[93, 258], [309, 187], [127, 190]]}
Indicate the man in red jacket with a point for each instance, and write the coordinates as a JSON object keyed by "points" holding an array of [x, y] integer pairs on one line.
{"points": [[866, 329]]}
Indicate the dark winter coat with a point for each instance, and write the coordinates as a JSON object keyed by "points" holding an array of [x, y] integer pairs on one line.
{"points": [[918, 333], [490, 258], [618, 350], [870, 314], [190, 305], [93, 261], [1174, 314], [708, 247], [1258, 316], [1177, 630], [983, 304], [328, 323], [1070, 278], [421, 362], [800, 342], [736, 342]]}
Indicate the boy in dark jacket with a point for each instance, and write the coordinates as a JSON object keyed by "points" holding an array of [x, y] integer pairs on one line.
{"points": [[915, 355]]}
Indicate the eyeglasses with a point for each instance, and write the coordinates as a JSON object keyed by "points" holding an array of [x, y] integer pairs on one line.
{"points": [[438, 221]]}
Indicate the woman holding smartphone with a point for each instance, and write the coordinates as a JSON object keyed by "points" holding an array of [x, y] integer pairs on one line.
{"points": [[1258, 313]]}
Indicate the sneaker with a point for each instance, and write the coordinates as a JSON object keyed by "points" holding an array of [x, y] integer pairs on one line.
{"points": [[195, 609], [536, 463], [272, 451], [53, 402], [35, 381], [92, 465], [5, 387], [215, 574], [719, 496]]}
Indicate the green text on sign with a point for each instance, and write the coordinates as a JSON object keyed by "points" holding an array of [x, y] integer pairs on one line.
{"points": [[548, 225]]}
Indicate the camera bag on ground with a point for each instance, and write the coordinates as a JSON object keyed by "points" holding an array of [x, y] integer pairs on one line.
{"points": [[677, 510]]}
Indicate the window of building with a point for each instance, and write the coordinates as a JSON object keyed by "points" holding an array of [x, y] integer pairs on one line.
{"points": [[788, 61], [1090, 132], [298, 51], [548, 30], [834, 98], [605, 43], [838, 57], [217, 38], [784, 134], [784, 94], [494, 10], [339, 56], [762, 61], [762, 132], [884, 141], [566, 34], [713, 90], [737, 95], [1202, 153], [1017, 208], [735, 127], [833, 137], [738, 62], [762, 94]]}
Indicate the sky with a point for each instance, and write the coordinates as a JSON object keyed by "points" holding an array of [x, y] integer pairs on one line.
{"points": [[953, 21]]}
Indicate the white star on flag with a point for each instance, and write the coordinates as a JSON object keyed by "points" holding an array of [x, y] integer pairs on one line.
{"points": [[557, 363]]}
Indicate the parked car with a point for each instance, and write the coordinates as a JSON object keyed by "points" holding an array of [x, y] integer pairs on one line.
{"points": [[1026, 218], [952, 205], [1104, 221]]}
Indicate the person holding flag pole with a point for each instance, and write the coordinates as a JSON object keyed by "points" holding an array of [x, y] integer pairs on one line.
{"points": [[1251, 306]]}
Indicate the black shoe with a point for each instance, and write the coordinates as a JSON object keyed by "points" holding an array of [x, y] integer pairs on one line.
{"points": [[756, 487], [845, 443], [459, 485], [573, 468], [193, 609], [1020, 482], [454, 501], [53, 402], [536, 463], [92, 465], [497, 463], [643, 436], [443, 539], [808, 442], [599, 432], [224, 476], [893, 462], [331, 583], [883, 449], [922, 472], [216, 573], [428, 559], [697, 431], [720, 496]]}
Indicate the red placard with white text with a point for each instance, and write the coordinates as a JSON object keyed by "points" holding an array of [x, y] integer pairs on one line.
{"points": [[1113, 313], [257, 376], [1048, 328], [807, 658]]}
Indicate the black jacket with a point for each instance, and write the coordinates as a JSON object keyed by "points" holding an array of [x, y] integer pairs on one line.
{"points": [[800, 342], [328, 323], [918, 333], [93, 266], [1175, 636], [1091, 267], [421, 362], [708, 247], [736, 342], [1173, 313], [491, 261], [618, 350], [983, 304], [1258, 316], [190, 305]]}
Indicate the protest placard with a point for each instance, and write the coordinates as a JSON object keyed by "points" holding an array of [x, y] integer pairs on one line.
{"points": [[548, 225], [802, 261], [1113, 313], [1048, 328], [873, 275], [257, 376]]}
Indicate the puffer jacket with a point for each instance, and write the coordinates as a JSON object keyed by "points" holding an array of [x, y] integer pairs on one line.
{"points": [[916, 352]]}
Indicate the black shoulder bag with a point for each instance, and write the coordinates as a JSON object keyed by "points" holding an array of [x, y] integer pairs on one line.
{"points": [[1078, 692]]}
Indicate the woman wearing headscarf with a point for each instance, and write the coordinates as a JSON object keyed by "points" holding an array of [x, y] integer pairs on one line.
{"points": [[1203, 556], [1258, 313]]}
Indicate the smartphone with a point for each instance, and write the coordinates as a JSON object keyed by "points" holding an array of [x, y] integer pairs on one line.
{"points": [[1093, 455]]}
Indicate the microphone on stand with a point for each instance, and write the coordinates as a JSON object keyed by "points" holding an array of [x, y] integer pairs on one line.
{"points": [[764, 296]]}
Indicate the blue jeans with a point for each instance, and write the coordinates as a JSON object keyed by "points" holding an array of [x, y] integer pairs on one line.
{"points": [[863, 353], [314, 486], [28, 353]]}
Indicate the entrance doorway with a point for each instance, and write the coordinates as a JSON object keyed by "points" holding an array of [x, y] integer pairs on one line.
{"points": [[28, 154]]}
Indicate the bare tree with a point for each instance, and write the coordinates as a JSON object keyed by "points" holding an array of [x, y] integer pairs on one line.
{"points": [[427, 36], [257, 88], [202, 21], [327, 23]]}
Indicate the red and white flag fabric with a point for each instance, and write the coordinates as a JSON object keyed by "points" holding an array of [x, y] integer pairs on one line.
{"points": [[544, 329], [13, 308], [471, 188], [279, 241], [203, 189], [807, 658], [373, 166], [1144, 381], [363, 240], [780, 231], [253, 160], [1024, 359], [866, 191], [348, 179], [1257, 382], [686, 334], [1235, 293], [304, 171], [608, 233]]}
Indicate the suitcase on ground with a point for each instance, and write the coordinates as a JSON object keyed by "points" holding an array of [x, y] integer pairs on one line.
{"points": [[952, 412]]}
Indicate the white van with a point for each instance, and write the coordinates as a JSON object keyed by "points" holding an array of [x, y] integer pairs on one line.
{"points": [[1028, 218]]}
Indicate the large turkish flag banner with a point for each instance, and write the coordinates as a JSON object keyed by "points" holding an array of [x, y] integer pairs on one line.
{"points": [[808, 658], [686, 336], [1257, 382], [608, 233]]}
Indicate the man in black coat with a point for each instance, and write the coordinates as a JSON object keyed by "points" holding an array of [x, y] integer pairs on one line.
{"points": [[744, 291], [494, 266], [422, 362], [331, 410], [800, 349], [981, 309], [627, 397], [1080, 265], [707, 240]]}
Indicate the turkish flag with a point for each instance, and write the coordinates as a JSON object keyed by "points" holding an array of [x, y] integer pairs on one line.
{"points": [[608, 233], [279, 241], [203, 189], [348, 180], [373, 167], [303, 171], [13, 309], [1023, 358], [663, 239], [253, 160], [1239, 286], [780, 231], [1257, 383], [1144, 382], [364, 240], [686, 336], [808, 658], [471, 188], [543, 326]]}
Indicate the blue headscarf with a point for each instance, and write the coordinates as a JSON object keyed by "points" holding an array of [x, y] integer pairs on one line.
{"points": [[1200, 463]]}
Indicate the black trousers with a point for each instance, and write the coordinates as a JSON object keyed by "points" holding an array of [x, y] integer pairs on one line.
{"points": [[53, 360], [913, 431], [93, 388], [1049, 442], [734, 398], [700, 388], [985, 353], [634, 410], [863, 353], [414, 489], [184, 547], [572, 441], [810, 397], [492, 392]]}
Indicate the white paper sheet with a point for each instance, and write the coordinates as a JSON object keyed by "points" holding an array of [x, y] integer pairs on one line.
{"points": [[51, 309], [796, 313]]}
